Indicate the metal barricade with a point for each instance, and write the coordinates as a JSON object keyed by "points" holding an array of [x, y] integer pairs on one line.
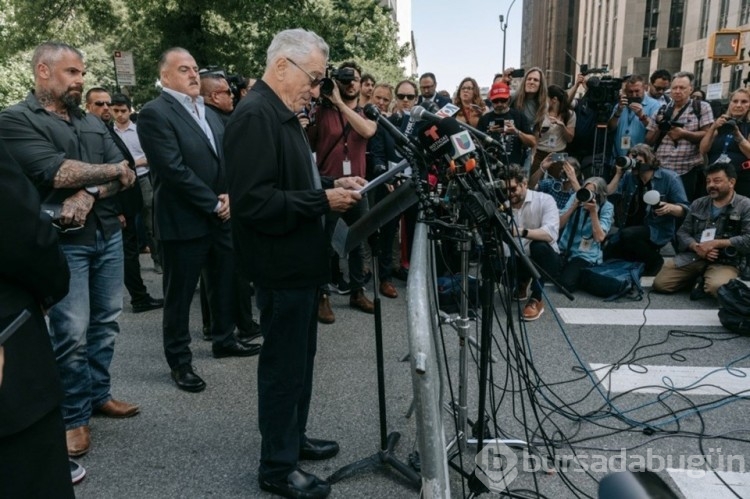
{"points": [[425, 370]]}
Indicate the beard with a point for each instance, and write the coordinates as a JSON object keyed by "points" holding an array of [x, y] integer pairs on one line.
{"points": [[71, 99]]}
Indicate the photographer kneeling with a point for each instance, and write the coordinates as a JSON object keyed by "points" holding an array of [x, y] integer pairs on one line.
{"points": [[713, 237], [727, 139], [643, 228], [584, 222]]}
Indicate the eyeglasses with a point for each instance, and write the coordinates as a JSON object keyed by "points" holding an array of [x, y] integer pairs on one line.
{"points": [[100, 103], [227, 92], [467, 89], [314, 82], [406, 96], [500, 101]]}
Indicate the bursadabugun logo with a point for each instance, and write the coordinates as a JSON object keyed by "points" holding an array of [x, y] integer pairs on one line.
{"points": [[496, 466]]}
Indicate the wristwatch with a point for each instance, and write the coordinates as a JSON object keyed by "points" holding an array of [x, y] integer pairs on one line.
{"points": [[525, 233], [94, 191]]}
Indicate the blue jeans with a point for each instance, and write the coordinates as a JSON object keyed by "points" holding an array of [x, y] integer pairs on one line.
{"points": [[83, 326]]}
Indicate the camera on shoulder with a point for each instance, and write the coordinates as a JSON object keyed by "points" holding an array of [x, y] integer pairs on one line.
{"points": [[343, 75]]}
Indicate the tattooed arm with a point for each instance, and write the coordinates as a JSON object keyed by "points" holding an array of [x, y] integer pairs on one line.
{"points": [[73, 173], [76, 208]]}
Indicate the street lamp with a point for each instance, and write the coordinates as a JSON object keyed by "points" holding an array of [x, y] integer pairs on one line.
{"points": [[504, 27]]}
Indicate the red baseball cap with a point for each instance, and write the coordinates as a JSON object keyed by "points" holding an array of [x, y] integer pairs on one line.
{"points": [[499, 90]]}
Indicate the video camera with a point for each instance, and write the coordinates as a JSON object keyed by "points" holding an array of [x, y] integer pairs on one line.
{"points": [[343, 75], [603, 92]]}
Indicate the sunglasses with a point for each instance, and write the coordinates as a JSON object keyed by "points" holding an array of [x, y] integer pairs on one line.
{"points": [[100, 103], [314, 82], [500, 101], [227, 92], [406, 96], [64, 229]]}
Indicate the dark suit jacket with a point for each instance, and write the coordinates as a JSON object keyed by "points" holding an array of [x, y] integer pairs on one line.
{"points": [[131, 200], [34, 273], [188, 174], [439, 100]]}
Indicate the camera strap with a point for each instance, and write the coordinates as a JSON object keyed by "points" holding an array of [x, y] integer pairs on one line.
{"points": [[344, 135], [668, 117]]}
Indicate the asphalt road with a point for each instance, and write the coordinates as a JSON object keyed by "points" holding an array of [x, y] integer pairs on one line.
{"points": [[207, 444]]}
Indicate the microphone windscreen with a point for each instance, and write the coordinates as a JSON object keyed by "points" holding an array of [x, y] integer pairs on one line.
{"points": [[652, 197], [435, 138]]}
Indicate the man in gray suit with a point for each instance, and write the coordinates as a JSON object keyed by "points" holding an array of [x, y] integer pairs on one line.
{"points": [[183, 141]]}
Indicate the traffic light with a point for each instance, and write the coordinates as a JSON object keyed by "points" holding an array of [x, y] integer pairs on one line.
{"points": [[725, 45]]}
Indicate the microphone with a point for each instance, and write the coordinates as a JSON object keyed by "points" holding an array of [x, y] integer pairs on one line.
{"points": [[420, 113], [652, 197], [374, 114]]}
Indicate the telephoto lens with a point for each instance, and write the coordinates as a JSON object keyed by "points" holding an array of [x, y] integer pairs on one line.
{"points": [[626, 162], [584, 195]]}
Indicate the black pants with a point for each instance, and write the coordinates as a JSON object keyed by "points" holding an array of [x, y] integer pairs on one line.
{"points": [[288, 322], [634, 245], [131, 253], [694, 183], [570, 274], [243, 296], [542, 254], [34, 462], [183, 261]]}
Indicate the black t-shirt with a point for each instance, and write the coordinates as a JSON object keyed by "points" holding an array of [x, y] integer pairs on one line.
{"points": [[514, 150], [637, 209]]}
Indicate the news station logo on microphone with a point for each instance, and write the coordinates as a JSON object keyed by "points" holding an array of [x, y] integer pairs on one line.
{"points": [[462, 144]]}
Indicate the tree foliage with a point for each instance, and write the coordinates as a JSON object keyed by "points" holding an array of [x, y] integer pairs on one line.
{"points": [[233, 34]]}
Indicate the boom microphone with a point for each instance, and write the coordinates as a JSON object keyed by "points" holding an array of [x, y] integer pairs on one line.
{"points": [[420, 113], [374, 114]]}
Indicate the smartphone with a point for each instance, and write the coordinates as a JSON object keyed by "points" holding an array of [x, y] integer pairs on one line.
{"points": [[14, 326], [559, 157], [518, 73], [507, 123]]}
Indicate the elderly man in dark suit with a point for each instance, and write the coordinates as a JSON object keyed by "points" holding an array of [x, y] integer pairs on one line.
{"points": [[183, 142]]}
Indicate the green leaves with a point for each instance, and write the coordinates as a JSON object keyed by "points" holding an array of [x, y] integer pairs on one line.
{"points": [[233, 34]]}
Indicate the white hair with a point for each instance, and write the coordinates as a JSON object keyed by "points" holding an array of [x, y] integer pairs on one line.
{"points": [[296, 44]]}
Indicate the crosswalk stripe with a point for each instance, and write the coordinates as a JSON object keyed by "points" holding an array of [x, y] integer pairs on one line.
{"points": [[657, 379], [635, 317], [694, 485]]}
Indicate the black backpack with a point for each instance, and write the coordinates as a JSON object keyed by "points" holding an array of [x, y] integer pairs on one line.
{"points": [[734, 306]]}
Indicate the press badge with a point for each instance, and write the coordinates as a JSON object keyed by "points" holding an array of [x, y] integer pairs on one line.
{"points": [[347, 167], [585, 244], [708, 235], [625, 143]]}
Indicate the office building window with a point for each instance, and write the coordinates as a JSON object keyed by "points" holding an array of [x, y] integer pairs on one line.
{"points": [[676, 15], [744, 12], [723, 13], [698, 72], [736, 80], [703, 32], [716, 71]]}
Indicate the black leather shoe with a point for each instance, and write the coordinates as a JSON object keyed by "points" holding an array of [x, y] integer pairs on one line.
{"points": [[297, 484], [236, 350], [315, 450], [187, 380], [249, 333], [147, 304], [207, 333]]}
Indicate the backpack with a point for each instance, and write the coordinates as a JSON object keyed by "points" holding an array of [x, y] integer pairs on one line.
{"points": [[614, 279], [734, 306]]}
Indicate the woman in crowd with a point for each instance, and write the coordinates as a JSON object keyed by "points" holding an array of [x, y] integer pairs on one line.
{"points": [[727, 139], [470, 102], [558, 126], [584, 225], [531, 98]]}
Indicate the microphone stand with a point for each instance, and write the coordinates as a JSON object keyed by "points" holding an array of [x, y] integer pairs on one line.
{"points": [[385, 456]]}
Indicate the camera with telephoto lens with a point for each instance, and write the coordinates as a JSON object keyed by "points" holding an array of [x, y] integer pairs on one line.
{"points": [[728, 126], [343, 75], [732, 226], [626, 162], [584, 195]]}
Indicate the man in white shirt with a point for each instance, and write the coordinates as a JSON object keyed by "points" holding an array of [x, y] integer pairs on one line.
{"points": [[536, 220]]}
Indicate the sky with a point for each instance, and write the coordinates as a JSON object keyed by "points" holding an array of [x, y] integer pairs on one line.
{"points": [[459, 38]]}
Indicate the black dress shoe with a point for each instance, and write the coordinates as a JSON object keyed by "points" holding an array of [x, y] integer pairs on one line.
{"points": [[187, 380], [297, 484], [147, 304], [237, 349], [315, 450], [250, 332]]}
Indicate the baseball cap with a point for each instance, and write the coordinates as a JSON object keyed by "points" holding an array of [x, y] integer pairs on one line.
{"points": [[499, 90]]}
